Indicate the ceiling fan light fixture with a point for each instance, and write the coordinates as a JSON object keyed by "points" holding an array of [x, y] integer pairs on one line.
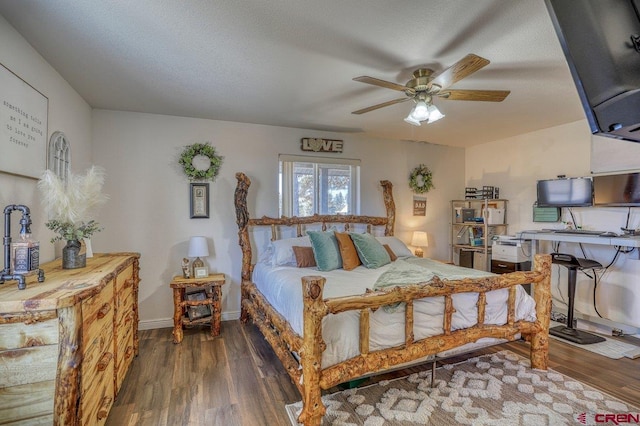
{"points": [[426, 85], [412, 120], [421, 111], [434, 113]]}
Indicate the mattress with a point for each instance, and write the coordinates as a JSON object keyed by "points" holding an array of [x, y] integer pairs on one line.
{"points": [[281, 286]]}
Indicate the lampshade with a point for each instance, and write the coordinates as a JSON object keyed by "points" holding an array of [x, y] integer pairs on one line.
{"points": [[434, 113], [420, 239], [420, 111], [198, 247], [412, 120]]}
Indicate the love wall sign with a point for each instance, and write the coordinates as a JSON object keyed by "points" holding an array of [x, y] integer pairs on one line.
{"points": [[322, 145]]}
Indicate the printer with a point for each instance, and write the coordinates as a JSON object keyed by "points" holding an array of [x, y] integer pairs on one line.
{"points": [[509, 248]]}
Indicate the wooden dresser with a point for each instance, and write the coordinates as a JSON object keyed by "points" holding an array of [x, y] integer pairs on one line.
{"points": [[66, 344]]}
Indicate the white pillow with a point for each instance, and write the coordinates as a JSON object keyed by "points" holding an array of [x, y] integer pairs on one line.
{"points": [[283, 250], [399, 248]]}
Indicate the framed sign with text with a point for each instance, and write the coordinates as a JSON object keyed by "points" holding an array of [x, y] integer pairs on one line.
{"points": [[199, 200], [419, 206], [23, 126]]}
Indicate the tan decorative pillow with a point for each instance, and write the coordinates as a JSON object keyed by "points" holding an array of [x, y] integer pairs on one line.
{"points": [[392, 255], [304, 257], [350, 259]]}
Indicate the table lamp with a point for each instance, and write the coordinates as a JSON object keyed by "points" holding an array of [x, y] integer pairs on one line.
{"points": [[419, 240], [198, 248]]}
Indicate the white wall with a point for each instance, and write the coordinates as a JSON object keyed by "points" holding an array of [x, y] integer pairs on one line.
{"points": [[68, 113], [149, 207], [514, 165]]}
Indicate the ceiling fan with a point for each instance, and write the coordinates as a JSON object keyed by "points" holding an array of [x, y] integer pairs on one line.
{"points": [[426, 84]]}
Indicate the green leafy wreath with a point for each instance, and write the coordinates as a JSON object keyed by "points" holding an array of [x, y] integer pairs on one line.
{"points": [[421, 179], [204, 149]]}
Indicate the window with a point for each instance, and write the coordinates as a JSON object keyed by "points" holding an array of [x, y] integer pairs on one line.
{"points": [[310, 185], [59, 156]]}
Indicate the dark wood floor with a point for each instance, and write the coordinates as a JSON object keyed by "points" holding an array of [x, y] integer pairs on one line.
{"points": [[236, 379]]}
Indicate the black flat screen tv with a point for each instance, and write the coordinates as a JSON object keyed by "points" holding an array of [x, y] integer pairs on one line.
{"points": [[621, 190], [601, 43], [571, 192]]}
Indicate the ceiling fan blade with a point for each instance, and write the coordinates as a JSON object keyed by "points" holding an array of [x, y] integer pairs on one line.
{"points": [[474, 95], [382, 83], [382, 105], [461, 69]]}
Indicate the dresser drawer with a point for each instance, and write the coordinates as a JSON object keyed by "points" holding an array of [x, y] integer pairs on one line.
{"points": [[125, 358], [97, 314], [124, 335], [95, 358], [124, 279], [28, 353], [502, 267], [98, 398], [124, 305], [97, 338]]}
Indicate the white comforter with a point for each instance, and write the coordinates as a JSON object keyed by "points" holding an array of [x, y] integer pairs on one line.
{"points": [[281, 286]]}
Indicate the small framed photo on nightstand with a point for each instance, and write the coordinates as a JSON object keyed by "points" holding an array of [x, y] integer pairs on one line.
{"points": [[198, 311], [202, 272]]}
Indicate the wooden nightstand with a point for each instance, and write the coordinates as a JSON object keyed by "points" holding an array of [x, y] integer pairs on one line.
{"points": [[190, 306]]}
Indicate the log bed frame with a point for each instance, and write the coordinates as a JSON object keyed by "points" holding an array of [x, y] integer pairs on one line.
{"points": [[308, 374]]}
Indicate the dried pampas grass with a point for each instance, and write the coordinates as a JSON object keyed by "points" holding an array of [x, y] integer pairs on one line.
{"points": [[74, 202]]}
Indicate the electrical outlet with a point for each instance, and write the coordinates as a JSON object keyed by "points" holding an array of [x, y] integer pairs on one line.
{"points": [[558, 317]]}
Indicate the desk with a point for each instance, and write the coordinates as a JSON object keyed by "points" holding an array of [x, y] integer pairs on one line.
{"points": [[537, 236]]}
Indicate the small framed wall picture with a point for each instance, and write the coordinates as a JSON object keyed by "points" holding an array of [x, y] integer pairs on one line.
{"points": [[199, 200], [201, 272], [419, 206]]}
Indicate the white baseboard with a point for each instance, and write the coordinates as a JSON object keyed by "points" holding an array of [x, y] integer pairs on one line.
{"points": [[593, 327], [168, 322], [157, 323]]}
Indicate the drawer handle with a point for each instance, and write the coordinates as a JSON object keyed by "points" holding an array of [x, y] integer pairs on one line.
{"points": [[128, 352], [104, 310], [103, 412], [502, 265], [104, 361]]}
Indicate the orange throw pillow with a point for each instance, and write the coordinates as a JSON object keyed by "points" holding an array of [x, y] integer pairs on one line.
{"points": [[304, 257], [350, 259], [392, 255]]}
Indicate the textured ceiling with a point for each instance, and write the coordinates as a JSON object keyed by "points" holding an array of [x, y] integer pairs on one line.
{"points": [[291, 62]]}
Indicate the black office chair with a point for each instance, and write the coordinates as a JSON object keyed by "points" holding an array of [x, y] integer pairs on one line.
{"points": [[568, 332]]}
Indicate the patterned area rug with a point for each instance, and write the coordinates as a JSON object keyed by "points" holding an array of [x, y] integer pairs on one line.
{"points": [[498, 390]]}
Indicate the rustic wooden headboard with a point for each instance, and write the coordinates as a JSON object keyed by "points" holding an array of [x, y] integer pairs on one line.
{"points": [[244, 221]]}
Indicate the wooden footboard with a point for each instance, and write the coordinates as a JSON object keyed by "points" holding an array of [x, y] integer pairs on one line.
{"points": [[302, 355], [312, 378]]}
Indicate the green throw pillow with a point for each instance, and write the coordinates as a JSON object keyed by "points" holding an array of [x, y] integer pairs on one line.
{"points": [[372, 254], [325, 250]]}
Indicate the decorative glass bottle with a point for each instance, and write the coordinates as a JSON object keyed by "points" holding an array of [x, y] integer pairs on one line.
{"points": [[25, 255]]}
